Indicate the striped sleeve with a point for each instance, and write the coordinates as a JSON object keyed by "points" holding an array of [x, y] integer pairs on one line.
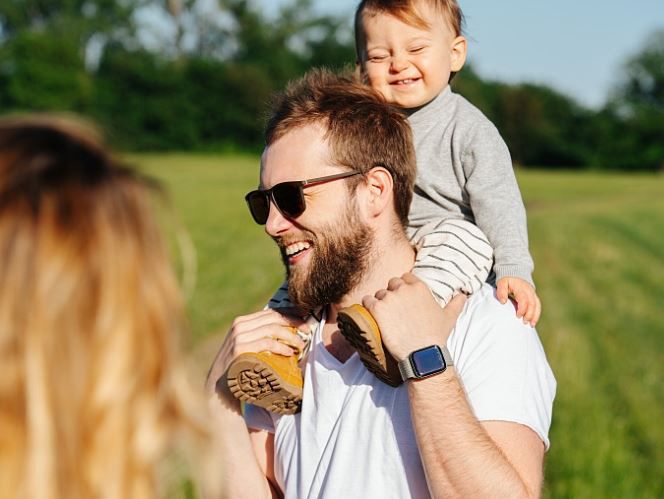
{"points": [[452, 256], [280, 298]]}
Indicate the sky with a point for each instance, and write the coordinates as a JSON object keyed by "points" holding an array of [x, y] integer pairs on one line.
{"points": [[576, 46]]}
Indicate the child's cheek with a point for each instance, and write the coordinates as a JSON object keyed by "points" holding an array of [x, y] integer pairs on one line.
{"points": [[377, 84]]}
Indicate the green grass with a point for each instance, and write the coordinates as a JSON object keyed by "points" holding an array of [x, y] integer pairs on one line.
{"points": [[598, 245], [238, 265]]}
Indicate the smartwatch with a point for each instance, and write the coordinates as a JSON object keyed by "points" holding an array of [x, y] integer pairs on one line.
{"points": [[425, 362]]}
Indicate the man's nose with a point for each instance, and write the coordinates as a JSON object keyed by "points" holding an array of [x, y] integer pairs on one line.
{"points": [[276, 222]]}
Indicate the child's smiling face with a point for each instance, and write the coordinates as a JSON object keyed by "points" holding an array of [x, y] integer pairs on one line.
{"points": [[410, 65]]}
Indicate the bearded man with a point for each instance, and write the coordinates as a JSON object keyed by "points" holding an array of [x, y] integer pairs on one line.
{"points": [[336, 183]]}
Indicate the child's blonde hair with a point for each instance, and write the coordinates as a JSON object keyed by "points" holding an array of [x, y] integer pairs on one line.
{"points": [[406, 11], [92, 387]]}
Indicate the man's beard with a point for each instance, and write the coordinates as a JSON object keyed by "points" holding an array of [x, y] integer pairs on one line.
{"points": [[339, 260]]}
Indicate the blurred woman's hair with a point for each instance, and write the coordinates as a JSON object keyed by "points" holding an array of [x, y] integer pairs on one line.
{"points": [[92, 386]]}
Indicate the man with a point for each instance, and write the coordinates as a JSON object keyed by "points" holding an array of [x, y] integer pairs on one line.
{"points": [[356, 436]]}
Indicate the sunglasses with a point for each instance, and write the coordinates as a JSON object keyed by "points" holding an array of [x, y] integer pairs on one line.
{"points": [[288, 197]]}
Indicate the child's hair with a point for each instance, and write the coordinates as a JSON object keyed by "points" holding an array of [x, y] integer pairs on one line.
{"points": [[92, 387], [406, 11]]}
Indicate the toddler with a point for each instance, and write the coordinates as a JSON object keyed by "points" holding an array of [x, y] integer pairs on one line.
{"points": [[409, 50]]}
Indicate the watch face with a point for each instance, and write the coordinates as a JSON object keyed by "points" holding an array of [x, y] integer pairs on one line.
{"points": [[428, 361]]}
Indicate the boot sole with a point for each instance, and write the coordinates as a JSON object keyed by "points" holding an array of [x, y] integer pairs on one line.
{"points": [[361, 331], [255, 382]]}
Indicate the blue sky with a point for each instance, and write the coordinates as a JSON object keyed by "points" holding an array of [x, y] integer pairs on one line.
{"points": [[576, 46]]}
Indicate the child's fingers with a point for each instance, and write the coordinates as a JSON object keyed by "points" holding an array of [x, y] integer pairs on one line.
{"points": [[529, 314], [532, 315], [537, 313], [502, 290], [521, 306], [524, 302]]}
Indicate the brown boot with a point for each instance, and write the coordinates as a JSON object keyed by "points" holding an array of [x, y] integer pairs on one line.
{"points": [[361, 331], [267, 380]]}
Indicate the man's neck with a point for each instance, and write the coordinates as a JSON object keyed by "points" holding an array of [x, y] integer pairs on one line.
{"points": [[392, 257]]}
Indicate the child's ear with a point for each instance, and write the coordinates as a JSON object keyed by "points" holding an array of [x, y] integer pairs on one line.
{"points": [[458, 53], [360, 74]]}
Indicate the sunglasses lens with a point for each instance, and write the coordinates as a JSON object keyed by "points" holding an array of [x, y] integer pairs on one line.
{"points": [[289, 198], [259, 206]]}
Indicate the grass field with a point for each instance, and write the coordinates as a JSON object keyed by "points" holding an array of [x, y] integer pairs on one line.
{"points": [[598, 245]]}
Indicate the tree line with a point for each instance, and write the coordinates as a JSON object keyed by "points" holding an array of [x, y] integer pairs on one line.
{"points": [[197, 75]]}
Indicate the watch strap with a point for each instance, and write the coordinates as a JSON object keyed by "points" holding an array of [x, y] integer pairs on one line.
{"points": [[406, 366]]}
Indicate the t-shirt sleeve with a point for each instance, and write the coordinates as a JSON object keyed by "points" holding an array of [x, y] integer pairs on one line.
{"points": [[258, 418], [502, 365]]}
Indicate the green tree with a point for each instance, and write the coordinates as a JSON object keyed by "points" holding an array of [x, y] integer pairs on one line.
{"points": [[175, 9], [633, 136], [643, 88], [75, 19], [541, 127], [42, 75], [142, 100], [43, 49]]}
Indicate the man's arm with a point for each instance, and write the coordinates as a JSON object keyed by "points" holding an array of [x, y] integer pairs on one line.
{"points": [[241, 471], [464, 458], [246, 463], [461, 456]]}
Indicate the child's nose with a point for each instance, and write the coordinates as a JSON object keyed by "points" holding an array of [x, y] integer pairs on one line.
{"points": [[399, 62]]}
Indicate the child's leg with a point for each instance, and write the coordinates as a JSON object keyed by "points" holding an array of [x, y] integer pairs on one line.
{"points": [[360, 330], [453, 256], [273, 382]]}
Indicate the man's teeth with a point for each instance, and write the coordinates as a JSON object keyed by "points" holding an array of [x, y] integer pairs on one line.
{"points": [[291, 249]]}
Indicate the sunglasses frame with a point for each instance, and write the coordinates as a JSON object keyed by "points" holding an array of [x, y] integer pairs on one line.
{"points": [[268, 194]]}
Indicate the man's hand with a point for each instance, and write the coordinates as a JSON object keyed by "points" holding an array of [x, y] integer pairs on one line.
{"points": [[409, 317], [267, 330], [245, 462], [528, 305]]}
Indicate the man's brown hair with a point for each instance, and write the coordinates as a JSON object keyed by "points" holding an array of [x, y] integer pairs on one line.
{"points": [[363, 131]]}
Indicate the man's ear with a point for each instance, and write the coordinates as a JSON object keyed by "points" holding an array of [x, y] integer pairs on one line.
{"points": [[379, 190], [459, 50]]}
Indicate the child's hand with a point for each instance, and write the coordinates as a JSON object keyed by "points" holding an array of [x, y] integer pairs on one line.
{"points": [[528, 303]]}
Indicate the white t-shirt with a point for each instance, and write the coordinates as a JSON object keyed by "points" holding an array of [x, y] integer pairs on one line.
{"points": [[354, 437]]}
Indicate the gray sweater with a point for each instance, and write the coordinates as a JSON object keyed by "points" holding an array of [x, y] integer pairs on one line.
{"points": [[464, 171]]}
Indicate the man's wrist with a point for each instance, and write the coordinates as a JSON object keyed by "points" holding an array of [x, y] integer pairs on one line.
{"points": [[425, 362]]}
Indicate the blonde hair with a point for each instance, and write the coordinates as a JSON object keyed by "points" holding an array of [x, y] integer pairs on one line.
{"points": [[92, 390]]}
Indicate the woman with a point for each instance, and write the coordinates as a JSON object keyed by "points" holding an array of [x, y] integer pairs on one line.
{"points": [[92, 389]]}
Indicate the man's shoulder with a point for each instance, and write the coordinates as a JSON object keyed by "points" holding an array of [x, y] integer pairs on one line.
{"points": [[502, 364], [484, 303], [487, 323]]}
